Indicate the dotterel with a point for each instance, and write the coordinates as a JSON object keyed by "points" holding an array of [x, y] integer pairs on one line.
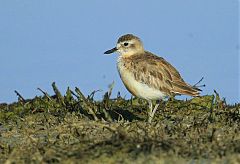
{"points": [[146, 75]]}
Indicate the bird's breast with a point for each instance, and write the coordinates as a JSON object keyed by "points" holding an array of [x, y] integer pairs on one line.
{"points": [[136, 87]]}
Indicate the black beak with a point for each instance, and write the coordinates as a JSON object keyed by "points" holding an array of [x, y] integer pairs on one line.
{"points": [[111, 51]]}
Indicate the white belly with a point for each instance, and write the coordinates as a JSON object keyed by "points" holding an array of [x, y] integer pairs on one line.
{"points": [[137, 88]]}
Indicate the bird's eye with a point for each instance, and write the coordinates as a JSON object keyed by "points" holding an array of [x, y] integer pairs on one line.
{"points": [[125, 44]]}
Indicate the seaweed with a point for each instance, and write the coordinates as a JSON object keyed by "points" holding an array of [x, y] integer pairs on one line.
{"points": [[72, 127]]}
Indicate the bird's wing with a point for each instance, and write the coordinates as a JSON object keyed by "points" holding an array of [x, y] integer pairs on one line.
{"points": [[159, 74]]}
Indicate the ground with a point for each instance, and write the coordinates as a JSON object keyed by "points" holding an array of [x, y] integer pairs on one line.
{"points": [[72, 128]]}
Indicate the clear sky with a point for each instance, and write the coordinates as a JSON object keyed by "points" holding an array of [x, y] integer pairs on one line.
{"points": [[63, 41]]}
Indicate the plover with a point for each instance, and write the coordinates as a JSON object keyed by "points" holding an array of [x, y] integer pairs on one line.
{"points": [[146, 75]]}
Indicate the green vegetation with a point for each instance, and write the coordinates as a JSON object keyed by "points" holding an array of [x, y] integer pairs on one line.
{"points": [[71, 128]]}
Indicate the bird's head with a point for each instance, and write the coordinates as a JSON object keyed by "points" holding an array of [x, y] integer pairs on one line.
{"points": [[127, 45]]}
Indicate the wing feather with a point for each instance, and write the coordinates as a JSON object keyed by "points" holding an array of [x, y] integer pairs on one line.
{"points": [[159, 74]]}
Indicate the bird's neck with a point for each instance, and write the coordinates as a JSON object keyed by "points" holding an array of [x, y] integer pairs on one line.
{"points": [[130, 53]]}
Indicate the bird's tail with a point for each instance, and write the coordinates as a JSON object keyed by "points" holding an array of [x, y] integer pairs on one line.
{"points": [[186, 89]]}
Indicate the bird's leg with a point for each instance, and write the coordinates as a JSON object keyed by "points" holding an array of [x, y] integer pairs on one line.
{"points": [[150, 106], [155, 109], [152, 111]]}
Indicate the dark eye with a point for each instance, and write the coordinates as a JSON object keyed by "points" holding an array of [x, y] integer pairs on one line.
{"points": [[125, 44]]}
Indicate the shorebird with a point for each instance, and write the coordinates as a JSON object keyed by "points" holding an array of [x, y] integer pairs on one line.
{"points": [[146, 75]]}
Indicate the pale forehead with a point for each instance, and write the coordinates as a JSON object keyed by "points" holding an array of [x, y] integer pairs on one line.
{"points": [[128, 37]]}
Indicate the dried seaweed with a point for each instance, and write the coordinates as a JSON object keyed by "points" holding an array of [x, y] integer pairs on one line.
{"points": [[73, 127]]}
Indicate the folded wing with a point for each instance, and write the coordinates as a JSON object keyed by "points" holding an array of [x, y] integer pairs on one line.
{"points": [[159, 74]]}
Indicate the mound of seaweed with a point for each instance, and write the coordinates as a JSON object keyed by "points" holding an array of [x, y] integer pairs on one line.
{"points": [[71, 128]]}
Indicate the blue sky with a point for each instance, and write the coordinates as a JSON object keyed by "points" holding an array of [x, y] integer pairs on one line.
{"points": [[63, 41]]}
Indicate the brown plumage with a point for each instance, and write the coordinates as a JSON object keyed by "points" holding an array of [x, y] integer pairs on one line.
{"points": [[146, 75], [158, 74]]}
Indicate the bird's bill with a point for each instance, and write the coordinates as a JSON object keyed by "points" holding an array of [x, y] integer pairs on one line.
{"points": [[111, 51]]}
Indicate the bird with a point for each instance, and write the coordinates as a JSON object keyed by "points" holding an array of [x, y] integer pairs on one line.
{"points": [[146, 75]]}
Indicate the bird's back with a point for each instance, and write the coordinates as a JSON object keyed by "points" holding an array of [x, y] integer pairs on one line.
{"points": [[155, 72]]}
